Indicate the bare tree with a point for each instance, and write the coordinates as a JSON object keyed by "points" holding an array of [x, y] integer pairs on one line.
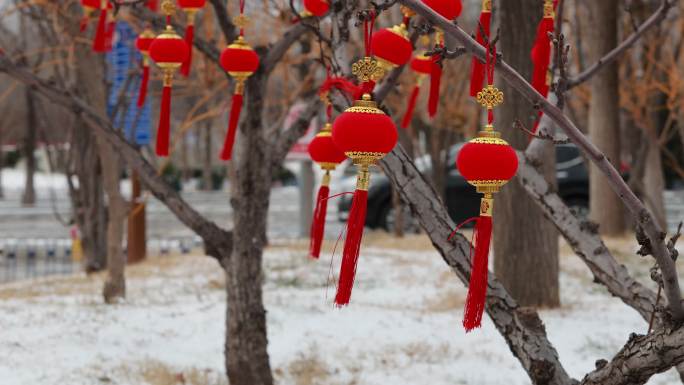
{"points": [[604, 123], [240, 252], [526, 260]]}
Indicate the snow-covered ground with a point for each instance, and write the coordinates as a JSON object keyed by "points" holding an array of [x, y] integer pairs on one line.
{"points": [[403, 326]]}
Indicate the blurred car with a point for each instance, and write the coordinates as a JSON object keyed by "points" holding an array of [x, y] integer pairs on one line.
{"points": [[462, 201]]}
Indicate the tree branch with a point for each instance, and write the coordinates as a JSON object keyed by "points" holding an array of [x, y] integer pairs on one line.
{"points": [[230, 31], [585, 241], [521, 327], [642, 216], [214, 237], [280, 47], [613, 55], [640, 358]]}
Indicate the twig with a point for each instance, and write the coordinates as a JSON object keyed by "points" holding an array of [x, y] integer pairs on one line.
{"points": [[539, 135], [640, 213], [611, 56]]}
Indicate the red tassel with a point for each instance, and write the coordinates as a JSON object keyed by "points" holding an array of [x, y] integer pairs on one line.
{"points": [[109, 40], [84, 23], [163, 132], [99, 44], [411, 106], [541, 55], [352, 247], [236, 106], [435, 81], [477, 73], [318, 221], [477, 289], [189, 37], [143, 85]]}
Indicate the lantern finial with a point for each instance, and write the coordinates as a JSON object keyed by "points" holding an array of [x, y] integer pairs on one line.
{"points": [[367, 69], [168, 7]]}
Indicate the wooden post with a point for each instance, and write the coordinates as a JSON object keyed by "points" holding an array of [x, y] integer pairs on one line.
{"points": [[137, 242]]}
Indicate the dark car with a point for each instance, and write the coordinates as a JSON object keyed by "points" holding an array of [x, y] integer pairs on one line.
{"points": [[461, 199]]}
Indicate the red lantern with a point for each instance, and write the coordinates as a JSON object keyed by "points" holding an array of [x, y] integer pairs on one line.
{"points": [[153, 5], [316, 8], [191, 7], [449, 9], [240, 61], [541, 53], [324, 152], [100, 41], [486, 162], [422, 66], [392, 47], [365, 134], [142, 43], [169, 51], [89, 7], [477, 73]]}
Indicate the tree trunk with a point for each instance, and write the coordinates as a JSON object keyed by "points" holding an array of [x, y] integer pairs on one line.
{"points": [[206, 157], [29, 196], [247, 361], [115, 284], [654, 183], [137, 232], [525, 243], [88, 199], [604, 128], [2, 164], [306, 197], [92, 168]]}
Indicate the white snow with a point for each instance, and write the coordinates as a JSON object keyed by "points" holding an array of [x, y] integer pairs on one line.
{"points": [[402, 327]]}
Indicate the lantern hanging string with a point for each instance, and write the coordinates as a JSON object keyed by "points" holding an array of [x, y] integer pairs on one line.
{"points": [[368, 31], [490, 65], [242, 12]]}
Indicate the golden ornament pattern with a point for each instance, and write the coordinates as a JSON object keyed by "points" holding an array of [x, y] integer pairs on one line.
{"points": [[368, 69], [490, 97]]}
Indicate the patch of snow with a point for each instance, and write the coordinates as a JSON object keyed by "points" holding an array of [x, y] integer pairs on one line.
{"points": [[402, 327]]}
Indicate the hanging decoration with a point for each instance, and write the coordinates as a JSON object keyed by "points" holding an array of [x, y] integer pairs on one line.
{"points": [[240, 61], [89, 7], [422, 66], [486, 162], [316, 8], [100, 41], [169, 51], [541, 53], [111, 27], [477, 71], [323, 151], [391, 46], [365, 134], [153, 5], [450, 10], [142, 43], [191, 7]]}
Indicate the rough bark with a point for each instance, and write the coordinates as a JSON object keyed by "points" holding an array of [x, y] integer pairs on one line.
{"points": [[585, 241], [521, 327], [640, 358], [246, 358], [525, 259], [654, 183], [604, 124], [28, 197], [207, 156], [137, 226], [117, 208], [654, 240]]}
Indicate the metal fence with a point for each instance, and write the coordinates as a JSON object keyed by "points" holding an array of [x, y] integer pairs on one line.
{"points": [[25, 258]]}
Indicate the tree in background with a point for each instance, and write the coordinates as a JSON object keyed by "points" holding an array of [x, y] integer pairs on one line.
{"points": [[526, 260], [604, 119]]}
